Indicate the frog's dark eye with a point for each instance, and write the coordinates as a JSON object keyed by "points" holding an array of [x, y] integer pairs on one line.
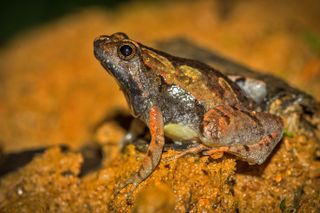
{"points": [[126, 51]]}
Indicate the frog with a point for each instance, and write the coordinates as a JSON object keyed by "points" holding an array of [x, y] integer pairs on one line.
{"points": [[188, 102]]}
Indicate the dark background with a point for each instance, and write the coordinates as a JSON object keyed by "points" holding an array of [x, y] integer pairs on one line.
{"points": [[17, 15]]}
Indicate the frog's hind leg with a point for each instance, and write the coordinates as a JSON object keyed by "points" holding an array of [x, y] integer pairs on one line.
{"points": [[250, 135], [253, 154], [154, 152]]}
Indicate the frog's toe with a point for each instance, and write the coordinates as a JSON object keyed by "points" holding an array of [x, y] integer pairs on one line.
{"points": [[194, 150], [216, 150], [172, 158], [124, 184]]}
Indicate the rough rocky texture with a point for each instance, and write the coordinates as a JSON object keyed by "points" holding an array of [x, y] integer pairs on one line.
{"points": [[54, 92]]}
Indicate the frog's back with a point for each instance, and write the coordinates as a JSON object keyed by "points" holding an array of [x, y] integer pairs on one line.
{"points": [[209, 86]]}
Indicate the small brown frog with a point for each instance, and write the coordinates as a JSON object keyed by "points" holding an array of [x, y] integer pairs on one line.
{"points": [[187, 101]]}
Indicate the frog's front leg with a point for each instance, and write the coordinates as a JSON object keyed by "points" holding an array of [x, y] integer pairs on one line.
{"points": [[154, 152], [250, 135]]}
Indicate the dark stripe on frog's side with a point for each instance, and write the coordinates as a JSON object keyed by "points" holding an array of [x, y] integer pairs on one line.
{"points": [[204, 81]]}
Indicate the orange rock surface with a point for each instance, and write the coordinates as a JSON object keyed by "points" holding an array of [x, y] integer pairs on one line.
{"points": [[53, 91]]}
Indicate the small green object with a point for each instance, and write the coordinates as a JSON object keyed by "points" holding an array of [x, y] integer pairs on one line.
{"points": [[288, 133], [312, 39], [282, 205]]}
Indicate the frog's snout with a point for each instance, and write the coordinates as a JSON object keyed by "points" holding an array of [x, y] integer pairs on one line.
{"points": [[98, 46], [97, 49]]}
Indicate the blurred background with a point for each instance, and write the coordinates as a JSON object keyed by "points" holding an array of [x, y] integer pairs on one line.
{"points": [[53, 91]]}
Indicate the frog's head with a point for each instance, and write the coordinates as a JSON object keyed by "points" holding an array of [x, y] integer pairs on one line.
{"points": [[121, 57]]}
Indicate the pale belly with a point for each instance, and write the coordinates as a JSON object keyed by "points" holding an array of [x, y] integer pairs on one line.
{"points": [[180, 132]]}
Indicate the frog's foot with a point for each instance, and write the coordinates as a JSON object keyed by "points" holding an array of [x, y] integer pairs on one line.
{"points": [[194, 150], [134, 180]]}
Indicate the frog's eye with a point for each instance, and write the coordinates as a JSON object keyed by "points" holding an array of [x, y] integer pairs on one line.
{"points": [[126, 51]]}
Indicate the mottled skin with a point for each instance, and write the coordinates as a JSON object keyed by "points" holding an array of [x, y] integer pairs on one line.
{"points": [[186, 100]]}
